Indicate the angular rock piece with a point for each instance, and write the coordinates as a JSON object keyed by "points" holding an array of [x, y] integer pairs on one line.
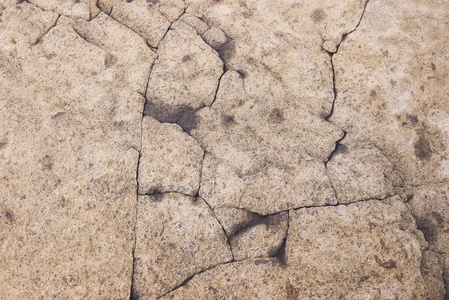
{"points": [[186, 74], [128, 57], [85, 9], [249, 279], [232, 219], [432, 267], [360, 174], [171, 159], [430, 207], [67, 168], [25, 24], [400, 106], [243, 180], [176, 237], [363, 249], [263, 237], [142, 16]]}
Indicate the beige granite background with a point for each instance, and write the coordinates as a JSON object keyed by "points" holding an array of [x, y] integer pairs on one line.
{"points": [[224, 149]]}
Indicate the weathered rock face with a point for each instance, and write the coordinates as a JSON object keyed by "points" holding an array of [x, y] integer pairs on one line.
{"points": [[182, 149], [70, 131], [171, 160], [176, 237], [366, 249], [392, 86], [249, 279], [185, 76]]}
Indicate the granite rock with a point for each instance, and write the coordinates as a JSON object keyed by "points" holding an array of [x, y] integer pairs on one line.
{"points": [[364, 249], [170, 161], [177, 236]]}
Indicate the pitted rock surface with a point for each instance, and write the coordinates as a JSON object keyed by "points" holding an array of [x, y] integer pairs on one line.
{"points": [[200, 149]]}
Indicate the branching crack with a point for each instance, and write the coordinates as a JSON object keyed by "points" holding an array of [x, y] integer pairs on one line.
{"points": [[332, 60], [39, 39]]}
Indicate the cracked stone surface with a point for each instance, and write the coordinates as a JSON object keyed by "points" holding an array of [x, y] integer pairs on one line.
{"points": [[371, 249], [259, 149], [177, 236], [171, 160]]}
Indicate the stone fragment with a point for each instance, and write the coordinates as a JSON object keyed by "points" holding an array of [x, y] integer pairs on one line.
{"points": [[176, 237], [330, 46], [142, 16], [432, 266], [359, 174], [85, 9], [254, 175], [400, 106], [26, 24], [67, 166], [215, 37], [263, 237], [430, 206], [171, 160], [128, 57], [365, 249], [194, 22], [232, 219], [249, 279], [185, 76]]}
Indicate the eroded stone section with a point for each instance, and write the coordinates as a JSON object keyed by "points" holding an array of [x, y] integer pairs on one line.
{"points": [[170, 161], [24, 24], [85, 9], [430, 207], [67, 165], [360, 174], [129, 60], [185, 75], [232, 219], [177, 236], [249, 279], [149, 19], [254, 175], [365, 249], [393, 86], [263, 237], [432, 267]]}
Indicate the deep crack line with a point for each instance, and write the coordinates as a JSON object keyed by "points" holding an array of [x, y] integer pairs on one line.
{"points": [[344, 36]]}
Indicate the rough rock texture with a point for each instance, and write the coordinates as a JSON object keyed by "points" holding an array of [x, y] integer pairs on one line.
{"points": [[176, 237], [249, 279], [70, 131], [367, 249], [202, 149], [170, 161], [263, 237], [185, 76], [360, 174]]}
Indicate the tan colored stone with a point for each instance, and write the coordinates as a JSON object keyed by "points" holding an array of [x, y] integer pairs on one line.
{"points": [[67, 166], [232, 219], [392, 86], [129, 59], [185, 75], [177, 237], [263, 237], [194, 22], [26, 24], [360, 174], [171, 160], [432, 266], [215, 37], [365, 249], [249, 279], [252, 174], [142, 16], [85, 9]]}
